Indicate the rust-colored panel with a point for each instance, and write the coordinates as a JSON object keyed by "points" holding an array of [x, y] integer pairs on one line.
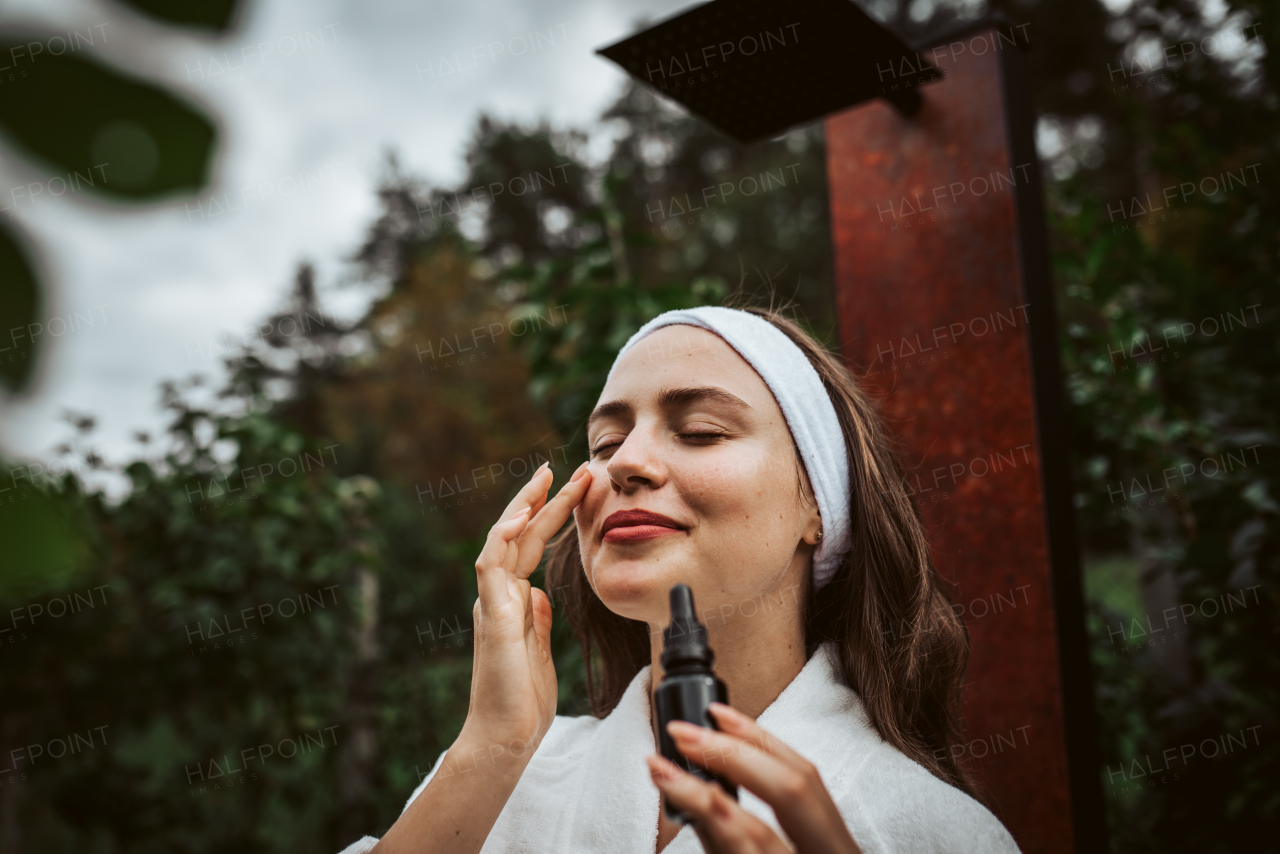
{"points": [[933, 312]]}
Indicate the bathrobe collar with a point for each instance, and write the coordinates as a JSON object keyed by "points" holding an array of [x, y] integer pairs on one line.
{"points": [[617, 810]]}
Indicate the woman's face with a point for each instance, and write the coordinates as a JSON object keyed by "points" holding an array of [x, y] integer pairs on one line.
{"points": [[686, 429]]}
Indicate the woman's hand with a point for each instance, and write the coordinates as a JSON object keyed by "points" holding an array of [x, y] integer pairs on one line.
{"points": [[747, 755], [513, 677]]}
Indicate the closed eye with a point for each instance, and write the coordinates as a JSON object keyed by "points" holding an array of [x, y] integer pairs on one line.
{"points": [[598, 448], [701, 436]]}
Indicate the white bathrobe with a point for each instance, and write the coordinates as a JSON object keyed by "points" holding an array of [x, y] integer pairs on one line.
{"points": [[587, 787]]}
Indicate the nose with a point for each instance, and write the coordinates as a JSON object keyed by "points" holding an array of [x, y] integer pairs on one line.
{"points": [[637, 463]]}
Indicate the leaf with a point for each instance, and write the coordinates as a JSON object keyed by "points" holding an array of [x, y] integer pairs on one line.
{"points": [[113, 134], [205, 14], [19, 304], [45, 543]]}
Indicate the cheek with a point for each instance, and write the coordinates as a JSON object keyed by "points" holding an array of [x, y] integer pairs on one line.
{"points": [[596, 493], [584, 515], [735, 489]]}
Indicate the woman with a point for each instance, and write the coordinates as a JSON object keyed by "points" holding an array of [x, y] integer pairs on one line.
{"points": [[730, 452]]}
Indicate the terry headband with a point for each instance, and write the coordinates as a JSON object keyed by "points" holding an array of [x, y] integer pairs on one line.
{"points": [[805, 405]]}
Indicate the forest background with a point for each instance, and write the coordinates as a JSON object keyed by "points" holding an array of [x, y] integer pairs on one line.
{"points": [[292, 562]]}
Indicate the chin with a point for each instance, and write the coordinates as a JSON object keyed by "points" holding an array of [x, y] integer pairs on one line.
{"points": [[637, 587]]}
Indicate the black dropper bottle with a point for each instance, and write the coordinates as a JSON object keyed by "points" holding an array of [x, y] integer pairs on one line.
{"points": [[688, 687]]}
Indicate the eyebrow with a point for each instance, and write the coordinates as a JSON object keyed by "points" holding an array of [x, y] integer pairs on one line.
{"points": [[670, 398]]}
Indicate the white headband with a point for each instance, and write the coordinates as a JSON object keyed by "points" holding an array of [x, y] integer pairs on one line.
{"points": [[805, 404]]}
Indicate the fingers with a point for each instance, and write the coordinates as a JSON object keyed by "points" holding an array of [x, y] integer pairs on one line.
{"points": [[734, 722], [745, 761], [491, 567], [515, 544], [550, 519], [751, 757], [499, 557], [721, 823], [531, 495]]}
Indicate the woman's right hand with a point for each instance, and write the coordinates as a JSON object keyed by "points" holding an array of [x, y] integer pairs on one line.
{"points": [[513, 675], [513, 681]]}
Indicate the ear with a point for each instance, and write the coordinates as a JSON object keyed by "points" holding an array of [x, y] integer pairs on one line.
{"points": [[809, 501], [812, 526]]}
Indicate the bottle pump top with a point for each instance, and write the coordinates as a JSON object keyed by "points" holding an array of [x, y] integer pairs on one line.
{"points": [[684, 642]]}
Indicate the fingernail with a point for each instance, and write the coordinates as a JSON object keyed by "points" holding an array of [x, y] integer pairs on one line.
{"points": [[689, 732], [577, 475], [661, 768], [728, 717], [540, 468]]}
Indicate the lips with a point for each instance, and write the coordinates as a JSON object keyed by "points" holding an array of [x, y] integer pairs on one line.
{"points": [[625, 525]]}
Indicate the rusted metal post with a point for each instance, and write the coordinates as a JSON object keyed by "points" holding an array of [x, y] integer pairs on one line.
{"points": [[946, 307]]}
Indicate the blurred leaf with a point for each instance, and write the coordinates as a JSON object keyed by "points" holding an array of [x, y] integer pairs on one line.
{"points": [[19, 303], [206, 14], [112, 133], [45, 542]]}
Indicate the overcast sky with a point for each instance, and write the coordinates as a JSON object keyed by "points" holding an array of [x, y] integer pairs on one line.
{"points": [[319, 92]]}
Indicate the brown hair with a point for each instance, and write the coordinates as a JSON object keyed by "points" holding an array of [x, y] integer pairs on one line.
{"points": [[900, 644]]}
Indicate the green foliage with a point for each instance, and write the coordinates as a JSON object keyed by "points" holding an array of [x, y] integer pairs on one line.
{"points": [[45, 536], [602, 305], [662, 224], [110, 133], [19, 306], [224, 589], [1169, 348]]}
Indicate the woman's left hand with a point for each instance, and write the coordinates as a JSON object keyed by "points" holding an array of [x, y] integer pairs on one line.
{"points": [[745, 754]]}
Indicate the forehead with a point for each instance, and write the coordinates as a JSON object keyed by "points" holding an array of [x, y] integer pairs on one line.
{"points": [[684, 355]]}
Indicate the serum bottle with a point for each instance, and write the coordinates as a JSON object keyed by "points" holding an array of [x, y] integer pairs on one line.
{"points": [[688, 687]]}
